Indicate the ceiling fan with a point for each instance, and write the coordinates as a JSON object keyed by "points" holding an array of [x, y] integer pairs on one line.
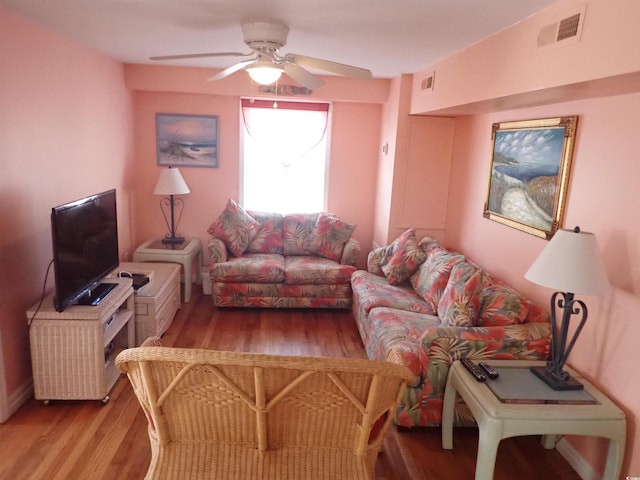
{"points": [[265, 65]]}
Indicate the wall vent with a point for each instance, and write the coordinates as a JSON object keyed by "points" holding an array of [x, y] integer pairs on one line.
{"points": [[563, 32], [427, 83], [568, 27]]}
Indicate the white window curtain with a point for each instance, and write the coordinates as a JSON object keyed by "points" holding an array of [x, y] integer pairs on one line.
{"points": [[284, 156]]}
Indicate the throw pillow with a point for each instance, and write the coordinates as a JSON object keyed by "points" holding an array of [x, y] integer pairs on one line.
{"points": [[405, 258], [501, 305], [235, 227], [432, 276], [330, 235], [460, 302]]}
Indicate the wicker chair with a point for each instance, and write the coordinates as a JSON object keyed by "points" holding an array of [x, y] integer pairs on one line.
{"points": [[230, 415]]}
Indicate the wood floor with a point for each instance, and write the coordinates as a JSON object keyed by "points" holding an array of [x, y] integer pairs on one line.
{"points": [[88, 440]]}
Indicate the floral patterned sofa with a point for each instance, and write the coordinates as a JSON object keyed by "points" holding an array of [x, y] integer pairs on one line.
{"points": [[423, 306], [261, 259]]}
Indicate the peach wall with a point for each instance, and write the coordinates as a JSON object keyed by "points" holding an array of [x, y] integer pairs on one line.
{"points": [[598, 79], [509, 70], [354, 137], [386, 161], [66, 133], [602, 198]]}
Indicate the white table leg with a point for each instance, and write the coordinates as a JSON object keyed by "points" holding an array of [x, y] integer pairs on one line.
{"points": [[448, 404], [187, 280], [549, 441], [614, 458], [488, 441]]}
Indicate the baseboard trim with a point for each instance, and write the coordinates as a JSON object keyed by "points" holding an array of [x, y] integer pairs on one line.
{"points": [[577, 461], [18, 398]]}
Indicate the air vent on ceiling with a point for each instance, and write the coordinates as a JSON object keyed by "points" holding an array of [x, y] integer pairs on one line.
{"points": [[563, 32]]}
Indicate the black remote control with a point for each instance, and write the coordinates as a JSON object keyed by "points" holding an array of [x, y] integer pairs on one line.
{"points": [[474, 369], [489, 370]]}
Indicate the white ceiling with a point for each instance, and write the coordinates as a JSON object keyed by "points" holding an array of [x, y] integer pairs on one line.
{"points": [[389, 37]]}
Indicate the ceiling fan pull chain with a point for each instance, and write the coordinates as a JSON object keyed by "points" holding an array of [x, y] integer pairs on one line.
{"points": [[275, 101]]}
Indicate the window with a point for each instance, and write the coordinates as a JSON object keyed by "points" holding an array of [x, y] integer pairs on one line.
{"points": [[284, 156]]}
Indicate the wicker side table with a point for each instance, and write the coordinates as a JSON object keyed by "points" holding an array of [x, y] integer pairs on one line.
{"points": [[73, 352], [157, 302], [191, 250]]}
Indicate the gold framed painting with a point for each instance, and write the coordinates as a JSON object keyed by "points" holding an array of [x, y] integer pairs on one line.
{"points": [[529, 174]]}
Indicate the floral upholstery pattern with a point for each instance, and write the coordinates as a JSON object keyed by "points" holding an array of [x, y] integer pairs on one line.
{"points": [[389, 329], [405, 258], [235, 227], [433, 275], [330, 234], [460, 302], [268, 238], [303, 270], [395, 327], [298, 260], [298, 236], [501, 304], [252, 267], [370, 291]]}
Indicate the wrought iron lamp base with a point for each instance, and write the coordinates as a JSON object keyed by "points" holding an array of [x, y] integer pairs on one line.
{"points": [[173, 240], [569, 383]]}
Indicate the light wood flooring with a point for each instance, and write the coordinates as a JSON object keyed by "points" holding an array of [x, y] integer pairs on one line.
{"points": [[90, 441]]}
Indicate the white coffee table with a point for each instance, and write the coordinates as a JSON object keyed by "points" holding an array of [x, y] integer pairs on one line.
{"points": [[497, 419], [155, 251]]}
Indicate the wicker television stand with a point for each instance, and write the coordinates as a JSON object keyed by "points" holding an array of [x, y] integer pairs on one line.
{"points": [[73, 352]]}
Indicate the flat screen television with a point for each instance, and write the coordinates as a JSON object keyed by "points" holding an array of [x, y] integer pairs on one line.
{"points": [[85, 249]]}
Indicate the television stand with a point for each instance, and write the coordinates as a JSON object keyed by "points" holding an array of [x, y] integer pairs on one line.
{"points": [[73, 352], [97, 294]]}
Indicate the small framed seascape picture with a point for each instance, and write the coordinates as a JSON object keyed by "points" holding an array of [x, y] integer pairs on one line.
{"points": [[529, 173], [187, 140]]}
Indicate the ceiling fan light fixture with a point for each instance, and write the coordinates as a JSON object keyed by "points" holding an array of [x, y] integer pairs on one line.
{"points": [[265, 74]]}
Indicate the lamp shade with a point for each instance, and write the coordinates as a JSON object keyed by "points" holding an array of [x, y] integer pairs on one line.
{"points": [[264, 71], [170, 182], [570, 263]]}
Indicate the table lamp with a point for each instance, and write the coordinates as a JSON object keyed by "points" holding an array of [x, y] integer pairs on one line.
{"points": [[170, 182], [569, 263]]}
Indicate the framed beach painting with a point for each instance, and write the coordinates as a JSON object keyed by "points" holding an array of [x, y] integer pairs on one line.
{"points": [[529, 174], [187, 140]]}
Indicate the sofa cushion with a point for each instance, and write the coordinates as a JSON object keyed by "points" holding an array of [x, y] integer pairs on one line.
{"points": [[304, 270], [405, 258], [460, 302], [370, 291], [330, 235], [501, 304], [297, 231], [268, 238], [432, 276], [235, 227], [251, 267]]}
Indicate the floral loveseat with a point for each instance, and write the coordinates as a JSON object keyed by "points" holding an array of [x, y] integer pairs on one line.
{"points": [[261, 259], [423, 306]]}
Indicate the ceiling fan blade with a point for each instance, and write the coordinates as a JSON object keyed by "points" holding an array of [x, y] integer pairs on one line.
{"points": [[232, 69], [333, 67], [201, 55], [303, 77]]}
